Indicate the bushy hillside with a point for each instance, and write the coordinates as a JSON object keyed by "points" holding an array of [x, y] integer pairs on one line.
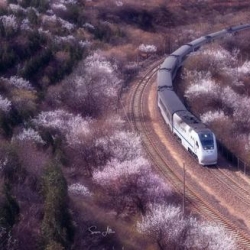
{"points": [[72, 174]]}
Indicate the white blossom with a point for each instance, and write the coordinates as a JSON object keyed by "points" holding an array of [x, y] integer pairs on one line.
{"points": [[210, 116], [115, 170], [9, 22], [29, 135], [205, 86], [166, 225], [48, 19], [66, 39], [89, 26], [119, 3], [155, 189], [230, 98], [66, 2], [74, 127], [41, 30], [84, 44], [18, 82], [218, 54], [77, 129], [244, 68], [100, 62], [3, 162], [95, 76], [65, 24], [59, 6], [165, 221], [122, 145], [25, 25], [78, 188], [16, 8], [215, 236], [147, 48], [5, 104]]}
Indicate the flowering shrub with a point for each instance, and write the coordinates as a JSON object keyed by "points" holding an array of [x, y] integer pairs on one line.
{"points": [[18, 82], [131, 183], [120, 170], [58, 6], [64, 39], [80, 189], [93, 87], [147, 48], [29, 135], [119, 3], [210, 116], [5, 104], [214, 236], [84, 44], [244, 68], [164, 223], [167, 226], [66, 25], [25, 25], [204, 86], [89, 26], [9, 22], [16, 8], [73, 127], [122, 145]]}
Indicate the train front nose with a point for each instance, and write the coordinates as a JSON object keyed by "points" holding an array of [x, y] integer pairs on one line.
{"points": [[209, 157]]}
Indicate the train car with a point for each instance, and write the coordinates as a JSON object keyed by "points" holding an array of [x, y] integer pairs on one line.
{"points": [[170, 64], [197, 43], [195, 137], [238, 28], [169, 103], [217, 34], [182, 53], [164, 79]]}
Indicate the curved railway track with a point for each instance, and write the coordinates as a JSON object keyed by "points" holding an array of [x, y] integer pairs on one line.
{"points": [[196, 199]]}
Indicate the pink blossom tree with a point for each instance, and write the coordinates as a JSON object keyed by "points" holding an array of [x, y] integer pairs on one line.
{"points": [[166, 225], [131, 184], [93, 87]]}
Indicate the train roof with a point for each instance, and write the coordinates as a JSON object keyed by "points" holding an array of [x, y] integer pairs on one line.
{"points": [[164, 78], [238, 28], [169, 63], [198, 41], [171, 101], [192, 121], [183, 50], [217, 34]]}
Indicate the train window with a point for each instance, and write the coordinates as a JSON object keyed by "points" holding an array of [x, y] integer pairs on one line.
{"points": [[197, 144], [207, 140]]}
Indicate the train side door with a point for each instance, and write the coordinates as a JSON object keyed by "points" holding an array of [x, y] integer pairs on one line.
{"points": [[195, 145]]}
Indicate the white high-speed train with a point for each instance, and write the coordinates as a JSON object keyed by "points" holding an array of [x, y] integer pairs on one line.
{"points": [[192, 133]]}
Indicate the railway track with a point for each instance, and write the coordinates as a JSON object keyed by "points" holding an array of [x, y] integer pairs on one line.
{"points": [[196, 199], [242, 194]]}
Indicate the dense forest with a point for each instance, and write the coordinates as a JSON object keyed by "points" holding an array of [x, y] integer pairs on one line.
{"points": [[73, 175]]}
